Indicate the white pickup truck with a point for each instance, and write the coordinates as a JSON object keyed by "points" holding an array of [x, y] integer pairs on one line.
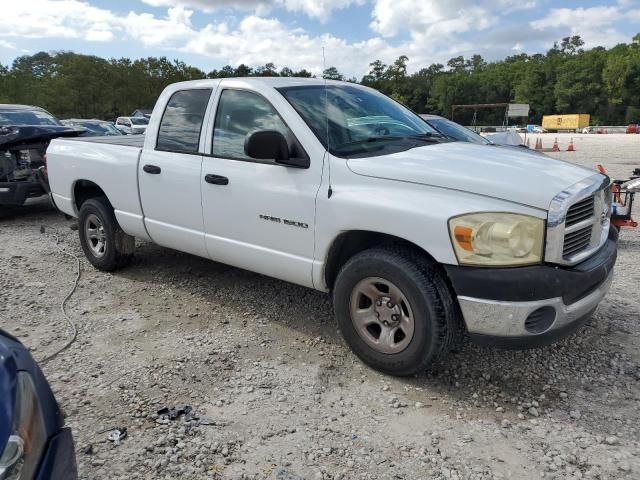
{"points": [[337, 187]]}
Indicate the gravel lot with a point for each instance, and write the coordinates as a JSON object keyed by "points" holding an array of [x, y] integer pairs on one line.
{"points": [[278, 393]]}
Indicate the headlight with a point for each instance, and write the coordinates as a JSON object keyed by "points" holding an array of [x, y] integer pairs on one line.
{"points": [[497, 239], [21, 455]]}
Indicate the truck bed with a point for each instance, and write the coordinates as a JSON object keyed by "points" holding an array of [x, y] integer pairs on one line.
{"points": [[108, 162], [124, 140]]}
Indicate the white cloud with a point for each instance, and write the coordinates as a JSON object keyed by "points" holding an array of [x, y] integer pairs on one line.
{"points": [[99, 32], [208, 5], [433, 18], [172, 30], [62, 18], [254, 40], [7, 45], [578, 17], [319, 9], [258, 40], [594, 24]]}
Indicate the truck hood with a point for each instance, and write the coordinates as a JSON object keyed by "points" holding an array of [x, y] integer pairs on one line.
{"points": [[524, 177], [12, 136]]}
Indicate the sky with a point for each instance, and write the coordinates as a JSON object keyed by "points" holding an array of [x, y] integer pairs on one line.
{"points": [[211, 33]]}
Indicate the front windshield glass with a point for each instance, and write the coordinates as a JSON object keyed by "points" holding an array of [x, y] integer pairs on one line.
{"points": [[139, 121], [456, 131], [355, 121], [28, 118]]}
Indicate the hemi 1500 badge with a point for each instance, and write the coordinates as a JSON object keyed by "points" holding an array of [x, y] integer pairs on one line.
{"points": [[293, 223]]}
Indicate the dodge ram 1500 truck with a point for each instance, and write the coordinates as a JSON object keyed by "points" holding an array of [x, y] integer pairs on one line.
{"points": [[337, 187]]}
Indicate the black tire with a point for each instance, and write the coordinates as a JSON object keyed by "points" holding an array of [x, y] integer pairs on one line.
{"points": [[118, 246], [436, 315]]}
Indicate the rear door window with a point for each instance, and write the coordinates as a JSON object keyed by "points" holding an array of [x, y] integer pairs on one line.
{"points": [[182, 121]]}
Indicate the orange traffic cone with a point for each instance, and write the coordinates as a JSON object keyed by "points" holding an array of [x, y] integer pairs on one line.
{"points": [[571, 148], [555, 146]]}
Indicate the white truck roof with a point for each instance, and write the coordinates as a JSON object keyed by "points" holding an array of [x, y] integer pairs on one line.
{"points": [[273, 82]]}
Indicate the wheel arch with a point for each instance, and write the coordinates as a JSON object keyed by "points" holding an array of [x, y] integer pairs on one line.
{"points": [[347, 244], [84, 190]]}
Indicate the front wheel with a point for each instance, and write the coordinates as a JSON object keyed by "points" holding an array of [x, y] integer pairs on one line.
{"points": [[104, 243], [395, 310]]}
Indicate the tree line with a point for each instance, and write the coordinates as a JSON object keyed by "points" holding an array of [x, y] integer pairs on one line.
{"points": [[566, 79]]}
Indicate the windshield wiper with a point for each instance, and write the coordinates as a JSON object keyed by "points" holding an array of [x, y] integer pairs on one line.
{"points": [[426, 137]]}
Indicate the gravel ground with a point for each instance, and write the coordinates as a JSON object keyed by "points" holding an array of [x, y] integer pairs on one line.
{"points": [[275, 392]]}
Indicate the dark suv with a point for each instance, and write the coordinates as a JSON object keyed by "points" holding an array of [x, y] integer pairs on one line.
{"points": [[25, 133]]}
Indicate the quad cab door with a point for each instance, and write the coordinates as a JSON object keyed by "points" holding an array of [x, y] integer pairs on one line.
{"points": [[259, 214], [169, 173]]}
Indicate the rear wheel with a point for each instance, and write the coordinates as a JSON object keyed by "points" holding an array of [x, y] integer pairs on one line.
{"points": [[104, 243], [395, 310]]}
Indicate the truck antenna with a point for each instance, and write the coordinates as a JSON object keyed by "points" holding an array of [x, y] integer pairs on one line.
{"points": [[326, 110]]}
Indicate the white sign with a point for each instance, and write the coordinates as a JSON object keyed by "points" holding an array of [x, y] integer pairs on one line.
{"points": [[518, 110]]}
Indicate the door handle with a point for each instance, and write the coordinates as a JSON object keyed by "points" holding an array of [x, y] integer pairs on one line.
{"points": [[152, 169], [216, 179]]}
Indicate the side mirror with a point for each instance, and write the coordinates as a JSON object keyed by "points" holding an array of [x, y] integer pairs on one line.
{"points": [[271, 145], [266, 145]]}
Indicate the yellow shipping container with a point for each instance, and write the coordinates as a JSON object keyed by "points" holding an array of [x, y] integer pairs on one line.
{"points": [[565, 122]]}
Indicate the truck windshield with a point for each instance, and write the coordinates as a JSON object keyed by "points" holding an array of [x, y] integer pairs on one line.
{"points": [[139, 121], [356, 121]]}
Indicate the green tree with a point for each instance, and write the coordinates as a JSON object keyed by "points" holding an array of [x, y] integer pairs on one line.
{"points": [[376, 73], [303, 73], [565, 79], [332, 73], [268, 70], [571, 45]]}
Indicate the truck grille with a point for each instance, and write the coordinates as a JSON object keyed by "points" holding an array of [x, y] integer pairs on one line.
{"points": [[578, 221], [580, 211], [577, 241]]}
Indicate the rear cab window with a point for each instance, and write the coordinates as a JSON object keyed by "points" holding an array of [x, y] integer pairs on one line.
{"points": [[181, 123]]}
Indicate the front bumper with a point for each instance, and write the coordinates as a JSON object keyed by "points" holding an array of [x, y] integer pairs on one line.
{"points": [[532, 306], [16, 193], [59, 459]]}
